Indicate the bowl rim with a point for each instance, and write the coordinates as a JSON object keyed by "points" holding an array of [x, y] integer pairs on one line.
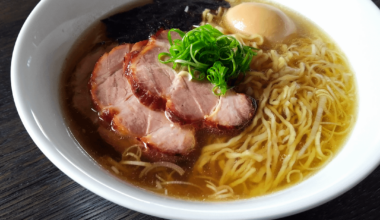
{"points": [[93, 185]]}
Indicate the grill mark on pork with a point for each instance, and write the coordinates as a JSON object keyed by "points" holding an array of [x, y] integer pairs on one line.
{"points": [[117, 106]]}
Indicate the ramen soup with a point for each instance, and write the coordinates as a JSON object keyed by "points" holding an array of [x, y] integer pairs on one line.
{"points": [[244, 99]]}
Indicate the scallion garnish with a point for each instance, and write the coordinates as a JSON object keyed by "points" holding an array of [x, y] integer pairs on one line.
{"points": [[216, 57]]}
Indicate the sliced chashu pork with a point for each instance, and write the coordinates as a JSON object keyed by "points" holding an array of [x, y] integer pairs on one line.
{"points": [[150, 80], [113, 98], [190, 101], [159, 87], [81, 98], [121, 143], [233, 112]]}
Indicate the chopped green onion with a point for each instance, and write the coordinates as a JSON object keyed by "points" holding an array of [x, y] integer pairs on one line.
{"points": [[216, 57]]}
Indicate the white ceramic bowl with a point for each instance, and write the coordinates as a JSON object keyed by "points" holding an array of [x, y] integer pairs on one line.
{"points": [[53, 27]]}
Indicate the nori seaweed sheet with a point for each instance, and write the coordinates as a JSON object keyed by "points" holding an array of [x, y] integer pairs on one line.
{"points": [[139, 23]]}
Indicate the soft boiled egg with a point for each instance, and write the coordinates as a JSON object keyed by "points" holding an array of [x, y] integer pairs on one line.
{"points": [[256, 18]]}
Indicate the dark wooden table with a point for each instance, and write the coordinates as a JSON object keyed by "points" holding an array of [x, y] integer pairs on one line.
{"points": [[31, 187]]}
